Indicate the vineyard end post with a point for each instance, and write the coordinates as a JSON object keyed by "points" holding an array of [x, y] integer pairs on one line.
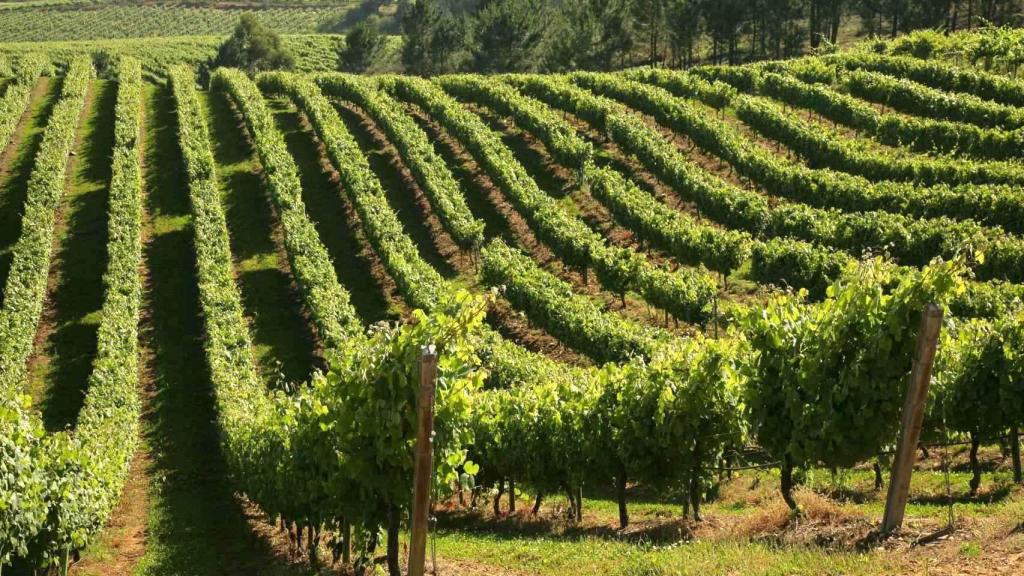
{"points": [[424, 464], [912, 418]]}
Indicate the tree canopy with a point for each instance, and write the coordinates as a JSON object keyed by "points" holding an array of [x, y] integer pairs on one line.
{"points": [[363, 45], [254, 48]]}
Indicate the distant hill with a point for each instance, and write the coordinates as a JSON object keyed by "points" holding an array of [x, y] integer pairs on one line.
{"points": [[57, 20], [313, 52]]}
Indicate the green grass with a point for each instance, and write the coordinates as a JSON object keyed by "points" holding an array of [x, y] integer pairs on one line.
{"points": [[19, 163], [970, 549], [928, 496], [62, 367], [283, 340], [855, 493], [548, 546], [597, 556]]}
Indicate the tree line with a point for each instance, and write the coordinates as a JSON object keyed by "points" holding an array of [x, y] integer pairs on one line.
{"points": [[553, 35], [494, 36]]}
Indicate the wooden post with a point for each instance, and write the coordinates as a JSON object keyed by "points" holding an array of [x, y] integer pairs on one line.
{"points": [[912, 418], [1015, 454], [423, 475]]}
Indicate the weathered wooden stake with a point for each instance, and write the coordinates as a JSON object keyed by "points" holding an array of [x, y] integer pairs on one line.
{"points": [[913, 416], [1015, 454], [423, 475]]}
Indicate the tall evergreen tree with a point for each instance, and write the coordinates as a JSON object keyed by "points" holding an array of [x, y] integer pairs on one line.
{"points": [[928, 14], [434, 39], [823, 20], [511, 36], [725, 20], [253, 47], [649, 24], [363, 45], [592, 35], [883, 17], [1000, 12], [777, 28], [685, 21]]}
